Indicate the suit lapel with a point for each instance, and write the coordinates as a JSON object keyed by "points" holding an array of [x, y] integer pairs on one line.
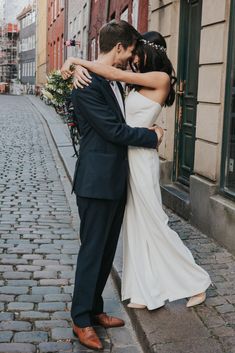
{"points": [[110, 94]]}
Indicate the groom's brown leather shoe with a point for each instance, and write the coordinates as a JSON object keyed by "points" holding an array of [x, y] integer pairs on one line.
{"points": [[108, 321], [88, 337]]}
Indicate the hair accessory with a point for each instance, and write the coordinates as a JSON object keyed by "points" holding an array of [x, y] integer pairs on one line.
{"points": [[153, 45]]}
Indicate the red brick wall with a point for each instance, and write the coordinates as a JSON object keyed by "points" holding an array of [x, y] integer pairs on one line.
{"points": [[143, 16], [56, 26], [98, 16], [118, 6], [103, 10]]}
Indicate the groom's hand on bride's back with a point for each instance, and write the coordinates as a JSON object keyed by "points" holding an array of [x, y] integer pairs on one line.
{"points": [[159, 132]]}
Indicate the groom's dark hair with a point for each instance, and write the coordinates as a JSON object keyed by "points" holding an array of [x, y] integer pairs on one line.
{"points": [[115, 32]]}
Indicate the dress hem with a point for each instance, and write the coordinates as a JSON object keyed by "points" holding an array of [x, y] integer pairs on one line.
{"points": [[171, 299]]}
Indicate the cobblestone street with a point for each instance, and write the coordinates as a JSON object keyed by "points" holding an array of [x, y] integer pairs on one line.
{"points": [[39, 246], [39, 242]]}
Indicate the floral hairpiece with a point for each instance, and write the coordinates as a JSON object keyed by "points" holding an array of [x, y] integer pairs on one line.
{"points": [[153, 45]]}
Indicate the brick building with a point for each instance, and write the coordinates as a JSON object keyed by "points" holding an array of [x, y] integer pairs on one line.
{"points": [[133, 11], [56, 27], [27, 38]]}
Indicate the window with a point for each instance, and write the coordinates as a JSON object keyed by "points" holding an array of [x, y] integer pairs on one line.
{"points": [[112, 17], [30, 69], [74, 26], [135, 10], [93, 49], [124, 15], [84, 43], [28, 43], [79, 21], [61, 4], [56, 8], [228, 152], [62, 48], [28, 19], [54, 56], [85, 15], [59, 53], [23, 45], [52, 12], [33, 16]]}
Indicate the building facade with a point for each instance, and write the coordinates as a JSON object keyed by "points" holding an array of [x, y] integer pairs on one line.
{"points": [[133, 11], [8, 52], [198, 153], [27, 41], [55, 34], [41, 42], [78, 27]]}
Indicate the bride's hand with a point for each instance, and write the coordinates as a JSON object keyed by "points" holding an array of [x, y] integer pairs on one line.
{"points": [[81, 77], [159, 132], [65, 70]]}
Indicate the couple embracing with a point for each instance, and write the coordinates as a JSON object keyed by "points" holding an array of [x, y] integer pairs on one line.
{"points": [[116, 182]]}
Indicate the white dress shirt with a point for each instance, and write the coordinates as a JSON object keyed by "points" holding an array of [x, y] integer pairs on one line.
{"points": [[118, 95]]}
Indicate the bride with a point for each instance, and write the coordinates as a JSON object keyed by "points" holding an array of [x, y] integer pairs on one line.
{"points": [[157, 265]]}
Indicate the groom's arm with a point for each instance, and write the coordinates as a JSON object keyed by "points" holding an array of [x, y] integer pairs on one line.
{"points": [[100, 116]]}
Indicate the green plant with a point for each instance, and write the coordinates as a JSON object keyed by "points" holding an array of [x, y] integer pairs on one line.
{"points": [[57, 90]]}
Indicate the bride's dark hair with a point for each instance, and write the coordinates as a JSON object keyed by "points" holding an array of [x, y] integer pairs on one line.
{"points": [[151, 50], [155, 37]]}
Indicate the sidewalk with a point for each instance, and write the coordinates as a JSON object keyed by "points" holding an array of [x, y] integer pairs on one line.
{"points": [[207, 328]]}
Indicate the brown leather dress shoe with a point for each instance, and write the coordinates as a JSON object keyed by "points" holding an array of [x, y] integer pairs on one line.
{"points": [[108, 321], [88, 337]]}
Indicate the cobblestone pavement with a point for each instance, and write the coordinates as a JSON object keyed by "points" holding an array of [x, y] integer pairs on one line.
{"points": [[39, 243], [176, 329], [218, 312], [207, 328]]}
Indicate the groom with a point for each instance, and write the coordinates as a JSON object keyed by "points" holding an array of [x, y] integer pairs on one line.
{"points": [[100, 180]]}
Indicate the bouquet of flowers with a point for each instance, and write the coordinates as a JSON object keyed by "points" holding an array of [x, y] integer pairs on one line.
{"points": [[57, 90]]}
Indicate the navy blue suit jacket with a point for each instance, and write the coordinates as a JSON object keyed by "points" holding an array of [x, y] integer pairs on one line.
{"points": [[102, 168]]}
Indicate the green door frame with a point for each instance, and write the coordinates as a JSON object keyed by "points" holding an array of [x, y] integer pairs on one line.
{"points": [[183, 99], [228, 102]]}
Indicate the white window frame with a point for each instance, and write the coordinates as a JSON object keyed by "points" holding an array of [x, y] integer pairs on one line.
{"points": [[135, 13], [124, 15]]}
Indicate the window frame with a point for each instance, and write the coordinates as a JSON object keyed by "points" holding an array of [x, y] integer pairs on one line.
{"points": [[228, 104]]}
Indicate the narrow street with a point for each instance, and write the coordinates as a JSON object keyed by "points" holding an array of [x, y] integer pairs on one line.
{"points": [[39, 245], [39, 242]]}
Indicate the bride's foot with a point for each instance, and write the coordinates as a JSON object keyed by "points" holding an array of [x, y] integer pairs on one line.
{"points": [[196, 299], [136, 306]]}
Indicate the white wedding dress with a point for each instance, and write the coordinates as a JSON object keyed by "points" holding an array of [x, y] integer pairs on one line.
{"points": [[157, 265]]}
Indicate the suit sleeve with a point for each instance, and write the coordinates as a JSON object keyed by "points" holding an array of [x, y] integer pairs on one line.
{"points": [[93, 107]]}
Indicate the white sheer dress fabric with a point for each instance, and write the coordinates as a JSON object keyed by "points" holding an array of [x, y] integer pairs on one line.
{"points": [[157, 265]]}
